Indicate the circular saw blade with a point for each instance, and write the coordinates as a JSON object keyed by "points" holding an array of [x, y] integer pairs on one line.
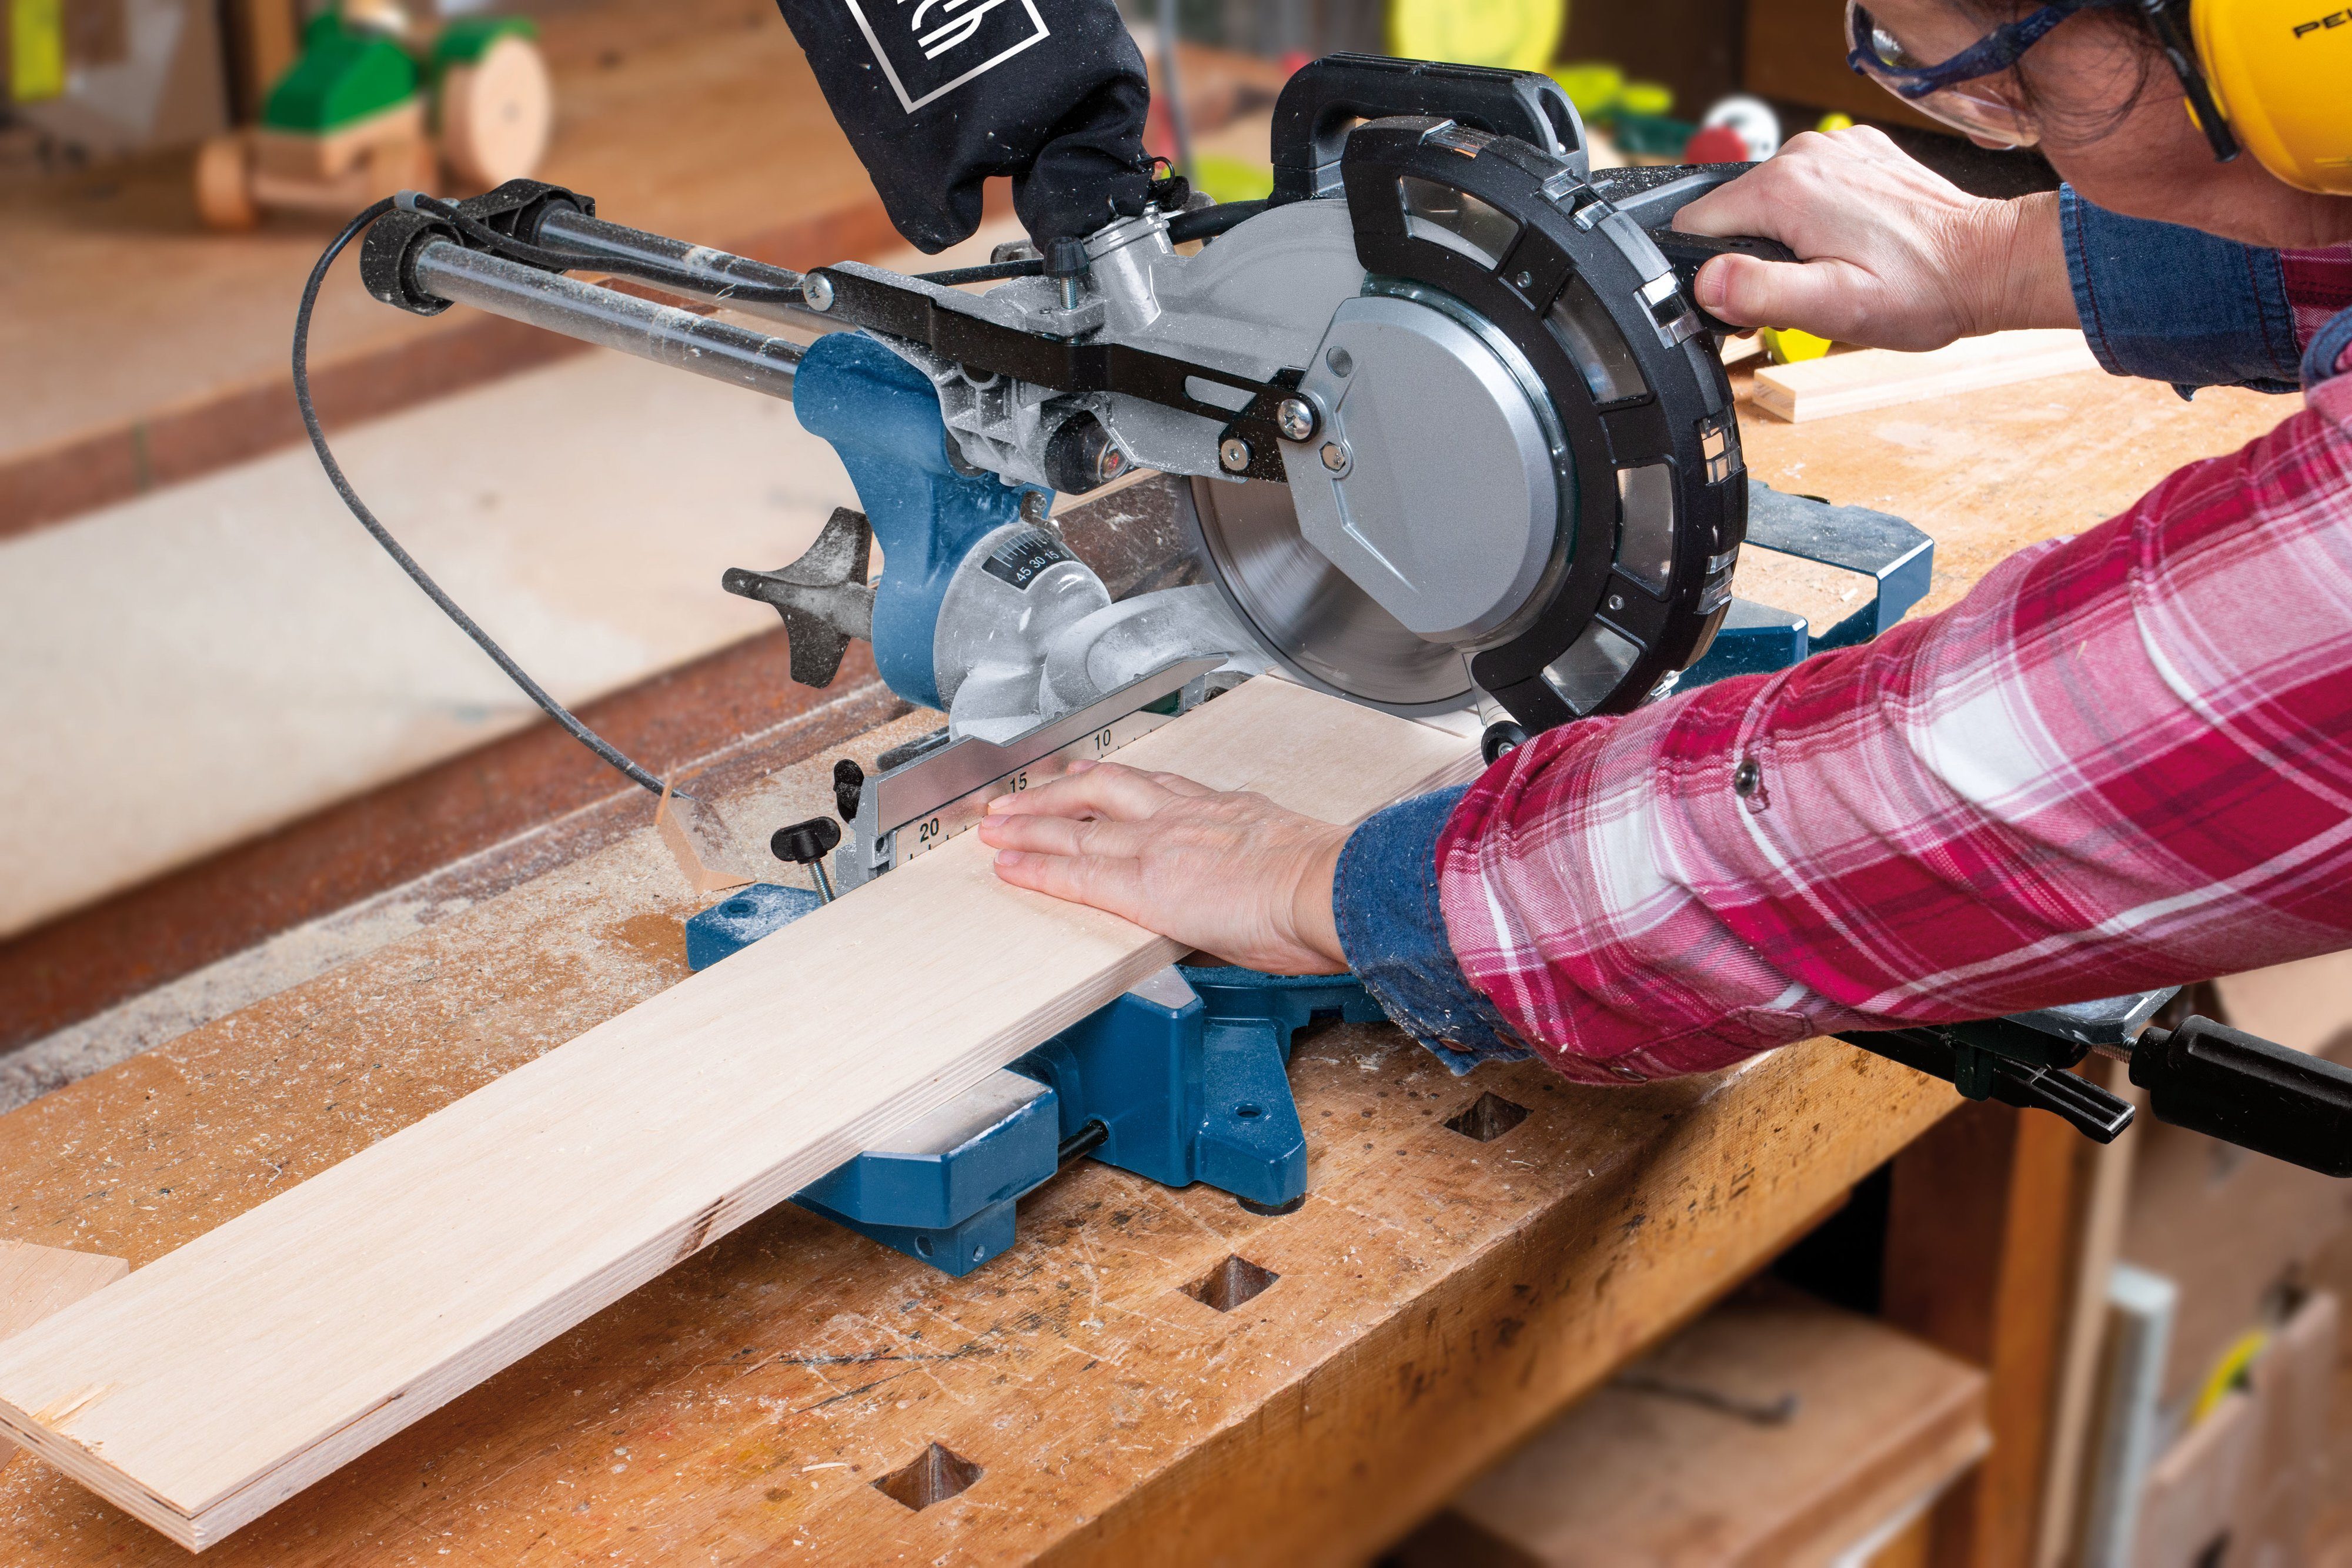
{"points": [[1319, 626]]}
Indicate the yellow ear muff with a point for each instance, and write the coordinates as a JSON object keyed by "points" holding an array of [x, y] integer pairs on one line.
{"points": [[2281, 72]]}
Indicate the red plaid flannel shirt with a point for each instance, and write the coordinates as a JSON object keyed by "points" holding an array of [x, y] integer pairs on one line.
{"points": [[2123, 761]]}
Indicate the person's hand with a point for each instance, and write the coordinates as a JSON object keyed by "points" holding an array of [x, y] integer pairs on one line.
{"points": [[1232, 874], [1895, 256]]}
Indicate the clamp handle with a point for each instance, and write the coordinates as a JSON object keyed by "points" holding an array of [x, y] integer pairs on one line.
{"points": [[2250, 1092], [2006, 1061]]}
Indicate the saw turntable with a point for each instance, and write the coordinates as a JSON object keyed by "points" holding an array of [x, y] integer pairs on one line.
{"points": [[1445, 434]]}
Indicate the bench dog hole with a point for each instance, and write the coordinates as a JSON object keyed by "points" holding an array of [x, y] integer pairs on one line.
{"points": [[1231, 1283], [1488, 1117], [933, 1476]]}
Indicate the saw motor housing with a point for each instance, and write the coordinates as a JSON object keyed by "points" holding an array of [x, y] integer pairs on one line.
{"points": [[1454, 427]]}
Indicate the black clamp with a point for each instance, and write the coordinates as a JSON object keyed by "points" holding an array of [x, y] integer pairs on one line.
{"points": [[2200, 1075]]}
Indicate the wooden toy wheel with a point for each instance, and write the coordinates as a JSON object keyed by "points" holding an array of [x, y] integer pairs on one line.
{"points": [[224, 182], [496, 114]]}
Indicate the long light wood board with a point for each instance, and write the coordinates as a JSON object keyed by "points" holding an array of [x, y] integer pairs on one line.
{"points": [[1881, 377], [228, 1376]]}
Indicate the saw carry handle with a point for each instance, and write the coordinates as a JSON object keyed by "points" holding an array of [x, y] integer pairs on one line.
{"points": [[1323, 101], [2247, 1091]]}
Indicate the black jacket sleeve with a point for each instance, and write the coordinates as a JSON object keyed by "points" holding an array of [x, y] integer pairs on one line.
{"points": [[938, 95]]}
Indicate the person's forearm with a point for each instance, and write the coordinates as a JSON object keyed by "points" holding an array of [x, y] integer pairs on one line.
{"points": [[2024, 264], [2123, 761]]}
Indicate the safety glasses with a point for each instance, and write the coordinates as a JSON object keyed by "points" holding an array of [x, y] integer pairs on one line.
{"points": [[1978, 92]]}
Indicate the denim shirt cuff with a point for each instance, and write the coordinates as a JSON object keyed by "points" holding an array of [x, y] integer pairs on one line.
{"points": [[2324, 359], [2174, 305], [1392, 931]]}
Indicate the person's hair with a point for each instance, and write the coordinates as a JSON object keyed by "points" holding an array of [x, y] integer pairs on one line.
{"points": [[2130, 37]]}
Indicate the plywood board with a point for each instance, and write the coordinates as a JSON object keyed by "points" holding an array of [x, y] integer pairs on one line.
{"points": [[2187, 1507], [36, 1282], [1776, 1429], [1881, 377], [2289, 1470], [230, 1374]]}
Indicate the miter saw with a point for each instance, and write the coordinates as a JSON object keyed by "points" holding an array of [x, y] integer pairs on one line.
{"points": [[1452, 434], [1447, 436]]}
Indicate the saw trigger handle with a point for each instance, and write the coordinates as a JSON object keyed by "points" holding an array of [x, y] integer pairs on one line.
{"points": [[2250, 1092], [1651, 195], [1689, 252]]}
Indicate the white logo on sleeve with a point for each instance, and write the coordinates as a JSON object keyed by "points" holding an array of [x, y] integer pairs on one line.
{"points": [[931, 47]]}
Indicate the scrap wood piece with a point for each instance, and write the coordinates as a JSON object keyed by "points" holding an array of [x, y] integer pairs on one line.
{"points": [[1881, 378], [226, 1376], [709, 855], [36, 1282]]}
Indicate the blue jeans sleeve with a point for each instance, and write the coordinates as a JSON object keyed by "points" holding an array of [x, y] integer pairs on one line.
{"points": [[2174, 305], [1394, 934]]}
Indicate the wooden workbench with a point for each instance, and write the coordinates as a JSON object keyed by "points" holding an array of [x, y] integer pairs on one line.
{"points": [[1438, 1296]]}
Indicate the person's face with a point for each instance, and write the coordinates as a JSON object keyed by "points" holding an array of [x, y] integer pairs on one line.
{"points": [[2129, 148]]}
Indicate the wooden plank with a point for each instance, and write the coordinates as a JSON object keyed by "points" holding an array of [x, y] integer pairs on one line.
{"points": [[2189, 1507], [1881, 377], [2288, 1470], [36, 1282], [1776, 1429], [1985, 1222], [2103, 1183], [251, 1362]]}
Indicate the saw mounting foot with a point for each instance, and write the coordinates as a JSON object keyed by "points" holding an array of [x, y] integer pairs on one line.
{"points": [[1183, 1079]]}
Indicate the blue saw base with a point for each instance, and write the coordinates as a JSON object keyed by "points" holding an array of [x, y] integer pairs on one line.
{"points": [[1185, 1078]]}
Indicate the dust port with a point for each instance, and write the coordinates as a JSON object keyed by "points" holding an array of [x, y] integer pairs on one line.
{"points": [[1487, 1118], [933, 1476], [1231, 1283]]}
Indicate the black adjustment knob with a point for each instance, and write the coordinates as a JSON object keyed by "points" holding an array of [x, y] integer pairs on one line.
{"points": [[848, 788], [805, 843], [808, 843], [1066, 257], [1501, 738]]}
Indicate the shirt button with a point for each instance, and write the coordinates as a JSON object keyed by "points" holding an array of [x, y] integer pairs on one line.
{"points": [[1745, 777]]}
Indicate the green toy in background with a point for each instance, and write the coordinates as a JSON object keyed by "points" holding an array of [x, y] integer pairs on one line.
{"points": [[369, 107]]}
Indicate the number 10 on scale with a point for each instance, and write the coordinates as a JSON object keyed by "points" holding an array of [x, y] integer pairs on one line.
{"points": [[927, 834]]}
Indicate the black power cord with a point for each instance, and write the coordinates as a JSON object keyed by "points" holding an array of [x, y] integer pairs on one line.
{"points": [[383, 535]]}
